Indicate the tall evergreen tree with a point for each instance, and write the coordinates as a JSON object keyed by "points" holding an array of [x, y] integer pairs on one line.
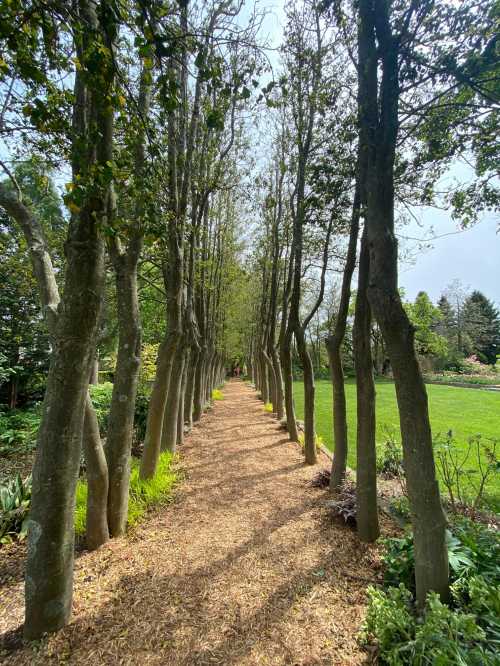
{"points": [[482, 324]]}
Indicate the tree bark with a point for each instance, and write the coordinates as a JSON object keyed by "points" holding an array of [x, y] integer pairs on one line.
{"points": [[96, 529], [366, 468], [122, 410], [378, 133], [334, 348], [309, 391]]}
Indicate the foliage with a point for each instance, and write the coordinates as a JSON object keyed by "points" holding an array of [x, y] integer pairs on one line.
{"points": [[318, 440], [468, 631], [15, 497], [425, 317], [149, 354], [100, 395], [18, 428], [390, 458], [345, 505], [218, 395], [142, 494], [268, 407], [465, 472], [321, 479]]}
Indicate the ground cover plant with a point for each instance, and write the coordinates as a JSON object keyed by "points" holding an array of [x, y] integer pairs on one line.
{"points": [[465, 631], [466, 412]]}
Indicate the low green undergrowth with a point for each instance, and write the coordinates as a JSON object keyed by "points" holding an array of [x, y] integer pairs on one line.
{"points": [[15, 498], [467, 631], [217, 394], [268, 407], [142, 494]]}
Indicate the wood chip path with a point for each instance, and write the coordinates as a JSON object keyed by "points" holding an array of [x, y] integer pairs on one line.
{"points": [[246, 566]]}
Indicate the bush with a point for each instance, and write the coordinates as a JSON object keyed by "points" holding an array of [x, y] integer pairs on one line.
{"points": [[217, 394], [318, 440], [15, 498], [390, 456], [268, 407], [142, 494], [18, 428], [467, 631], [100, 395]]}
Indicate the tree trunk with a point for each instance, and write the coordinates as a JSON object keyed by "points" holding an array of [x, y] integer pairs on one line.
{"points": [[171, 415], [189, 397], [122, 410], [199, 396], [181, 418], [309, 390], [334, 348], [49, 567], [279, 407], [156, 409], [286, 363], [96, 531], [378, 135], [366, 469]]}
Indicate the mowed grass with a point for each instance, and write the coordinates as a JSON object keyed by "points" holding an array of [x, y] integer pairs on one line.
{"points": [[465, 412]]}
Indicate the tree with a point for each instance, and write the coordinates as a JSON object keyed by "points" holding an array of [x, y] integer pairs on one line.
{"points": [[425, 317], [379, 45], [482, 326]]}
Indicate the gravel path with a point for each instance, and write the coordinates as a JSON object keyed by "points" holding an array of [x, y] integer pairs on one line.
{"points": [[245, 566]]}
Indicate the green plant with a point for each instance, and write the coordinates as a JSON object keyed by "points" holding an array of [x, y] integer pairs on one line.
{"points": [[401, 506], [217, 394], [15, 497], [442, 636], [101, 395], [318, 440], [465, 472], [143, 494], [467, 631], [390, 458], [344, 506], [268, 407], [18, 429]]}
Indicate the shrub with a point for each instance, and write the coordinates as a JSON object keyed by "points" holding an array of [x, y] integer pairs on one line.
{"points": [[390, 458], [345, 505], [318, 440], [100, 395], [465, 473], [143, 494], [15, 498], [18, 429], [217, 394], [467, 631], [321, 479], [268, 407]]}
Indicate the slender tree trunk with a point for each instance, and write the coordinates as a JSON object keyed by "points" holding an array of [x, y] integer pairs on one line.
{"points": [[378, 134], [122, 410], [309, 390], [170, 418], [189, 398], [286, 363], [199, 396], [366, 469], [334, 348], [96, 531], [279, 407], [154, 424], [182, 402]]}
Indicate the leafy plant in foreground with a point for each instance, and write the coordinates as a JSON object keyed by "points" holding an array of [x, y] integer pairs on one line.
{"points": [[15, 496]]}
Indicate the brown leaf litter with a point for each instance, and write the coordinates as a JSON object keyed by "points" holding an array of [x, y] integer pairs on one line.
{"points": [[246, 566]]}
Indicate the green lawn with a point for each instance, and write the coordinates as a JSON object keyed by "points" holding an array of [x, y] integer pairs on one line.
{"points": [[464, 411]]}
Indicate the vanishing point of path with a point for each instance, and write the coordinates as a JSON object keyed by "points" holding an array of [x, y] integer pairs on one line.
{"points": [[246, 565]]}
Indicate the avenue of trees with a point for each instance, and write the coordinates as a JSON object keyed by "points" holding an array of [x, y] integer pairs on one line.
{"points": [[170, 238]]}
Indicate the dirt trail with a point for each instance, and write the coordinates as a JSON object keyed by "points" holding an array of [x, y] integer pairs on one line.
{"points": [[245, 567]]}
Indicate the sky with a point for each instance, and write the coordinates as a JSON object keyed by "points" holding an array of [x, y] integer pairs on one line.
{"points": [[471, 256]]}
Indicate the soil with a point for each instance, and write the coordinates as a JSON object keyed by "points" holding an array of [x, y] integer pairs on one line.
{"points": [[246, 566]]}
